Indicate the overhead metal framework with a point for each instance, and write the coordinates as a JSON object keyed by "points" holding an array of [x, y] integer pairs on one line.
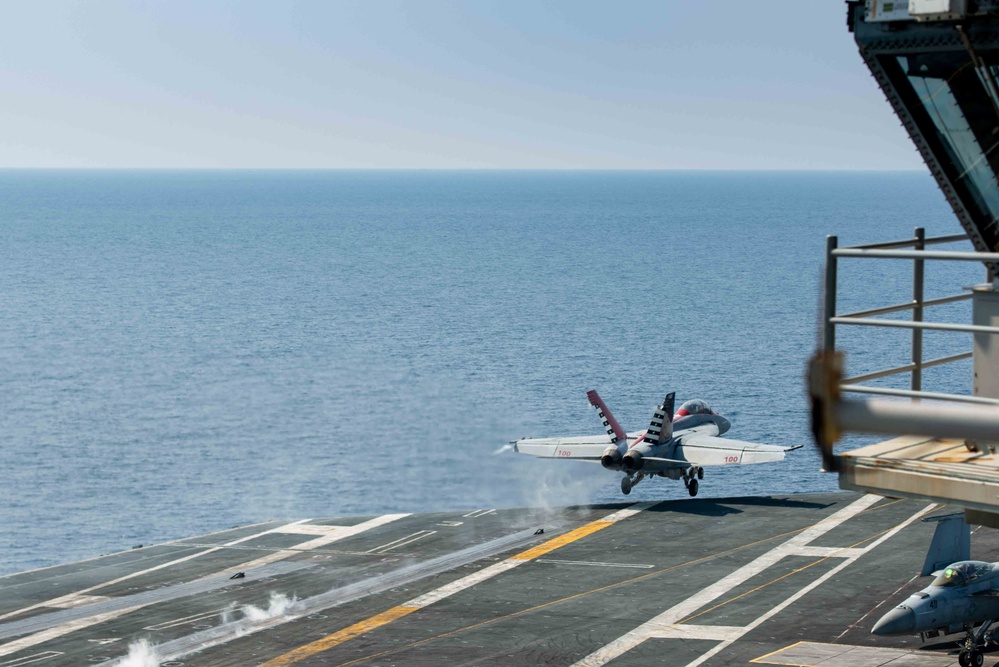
{"points": [[939, 72]]}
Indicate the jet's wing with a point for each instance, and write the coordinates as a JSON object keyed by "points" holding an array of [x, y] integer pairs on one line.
{"points": [[709, 450], [585, 448]]}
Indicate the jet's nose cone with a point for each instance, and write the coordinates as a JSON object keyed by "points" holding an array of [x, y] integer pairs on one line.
{"points": [[899, 621]]}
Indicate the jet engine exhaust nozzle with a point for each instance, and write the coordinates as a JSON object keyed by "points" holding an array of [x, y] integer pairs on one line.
{"points": [[632, 461], [611, 457]]}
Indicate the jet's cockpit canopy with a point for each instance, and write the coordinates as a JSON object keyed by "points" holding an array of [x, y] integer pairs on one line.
{"points": [[959, 574], [694, 407]]}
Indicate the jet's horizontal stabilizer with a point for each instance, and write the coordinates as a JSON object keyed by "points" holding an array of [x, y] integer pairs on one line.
{"points": [[951, 543]]}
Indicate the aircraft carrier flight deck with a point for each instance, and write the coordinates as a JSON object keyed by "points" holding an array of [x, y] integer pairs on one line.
{"points": [[782, 580]]}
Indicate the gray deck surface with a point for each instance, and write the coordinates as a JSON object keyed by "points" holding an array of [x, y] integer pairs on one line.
{"points": [[773, 580]]}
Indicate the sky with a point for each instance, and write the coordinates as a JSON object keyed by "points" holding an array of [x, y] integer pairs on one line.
{"points": [[440, 84]]}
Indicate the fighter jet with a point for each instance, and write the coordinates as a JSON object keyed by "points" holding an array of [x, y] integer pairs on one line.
{"points": [[964, 595], [677, 446]]}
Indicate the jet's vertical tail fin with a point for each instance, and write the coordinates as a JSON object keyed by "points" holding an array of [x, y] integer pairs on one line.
{"points": [[951, 543], [661, 427], [614, 429]]}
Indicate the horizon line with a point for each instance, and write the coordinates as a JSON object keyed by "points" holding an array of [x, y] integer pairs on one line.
{"points": [[484, 169]]}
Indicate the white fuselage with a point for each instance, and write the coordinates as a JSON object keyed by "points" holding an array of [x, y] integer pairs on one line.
{"points": [[700, 424]]}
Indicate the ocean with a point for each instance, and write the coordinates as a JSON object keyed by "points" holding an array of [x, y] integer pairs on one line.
{"points": [[185, 351]]}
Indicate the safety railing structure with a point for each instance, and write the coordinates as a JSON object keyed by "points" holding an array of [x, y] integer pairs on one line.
{"points": [[914, 250]]}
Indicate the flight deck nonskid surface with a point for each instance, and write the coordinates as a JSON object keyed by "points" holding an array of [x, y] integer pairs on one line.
{"points": [[760, 580]]}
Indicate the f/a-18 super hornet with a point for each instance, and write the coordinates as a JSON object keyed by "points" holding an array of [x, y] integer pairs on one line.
{"points": [[676, 445], [963, 596]]}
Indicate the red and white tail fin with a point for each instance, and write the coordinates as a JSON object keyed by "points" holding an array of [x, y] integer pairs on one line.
{"points": [[661, 427], [614, 429]]}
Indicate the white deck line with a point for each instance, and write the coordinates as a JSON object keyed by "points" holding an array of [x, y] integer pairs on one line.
{"points": [[813, 585], [30, 659], [71, 626], [60, 630], [664, 622], [186, 619], [491, 571]]}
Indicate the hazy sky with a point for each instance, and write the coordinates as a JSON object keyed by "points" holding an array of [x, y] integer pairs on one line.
{"points": [[662, 84]]}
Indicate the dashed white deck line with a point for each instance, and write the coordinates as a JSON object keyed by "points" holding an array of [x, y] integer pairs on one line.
{"points": [[640, 566], [60, 630], [185, 620], [73, 598], [663, 624], [31, 659], [477, 513], [402, 541]]}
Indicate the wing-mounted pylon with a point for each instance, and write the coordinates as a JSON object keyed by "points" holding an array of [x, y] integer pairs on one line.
{"points": [[619, 439], [661, 427]]}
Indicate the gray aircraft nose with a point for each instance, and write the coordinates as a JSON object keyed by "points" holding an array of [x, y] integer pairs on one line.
{"points": [[899, 621]]}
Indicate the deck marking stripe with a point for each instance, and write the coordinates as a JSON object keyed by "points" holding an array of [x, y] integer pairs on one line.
{"points": [[348, 531], [712, 632], [402, 541], [60, 630], [337, 638], [386, 617], [187, 619], [639, 566], [561, 540], [874, 608], [576, 596], [27, 660], [708, 594], [763, 657], [812, 585]]}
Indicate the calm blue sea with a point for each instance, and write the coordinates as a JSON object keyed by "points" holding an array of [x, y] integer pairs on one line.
{"points": [[185, 351]]}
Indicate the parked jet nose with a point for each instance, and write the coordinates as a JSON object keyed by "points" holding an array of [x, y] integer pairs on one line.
{"points": [[899, 621]]}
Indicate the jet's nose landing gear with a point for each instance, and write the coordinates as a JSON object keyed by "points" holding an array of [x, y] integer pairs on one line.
{"points": [[972, 655], [972, 658]]}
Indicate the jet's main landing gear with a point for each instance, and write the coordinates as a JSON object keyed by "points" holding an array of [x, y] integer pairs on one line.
{"points": [[628, 483], [971, 655], [690, 480]]}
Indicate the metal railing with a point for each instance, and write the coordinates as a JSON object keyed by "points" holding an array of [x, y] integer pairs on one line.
{"points": [[913, 249]]}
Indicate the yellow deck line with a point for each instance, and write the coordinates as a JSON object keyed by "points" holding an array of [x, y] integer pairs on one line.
{"points": [[386, 617], [339, 637], [561, 540]]}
